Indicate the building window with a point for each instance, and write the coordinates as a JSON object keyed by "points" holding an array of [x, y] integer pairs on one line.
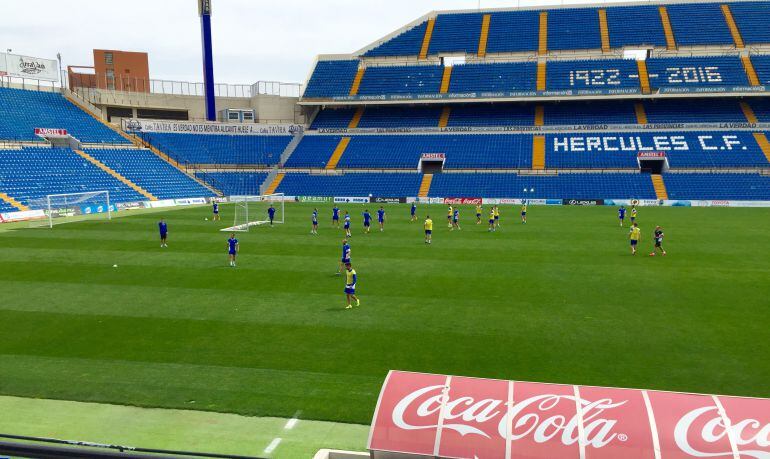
{"points": [[108, 58]]}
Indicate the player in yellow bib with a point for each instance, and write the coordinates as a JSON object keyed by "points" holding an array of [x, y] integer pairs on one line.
{"points": [[449, 212], [635, 235], [428, 225], [479, 210], [524, 213]]}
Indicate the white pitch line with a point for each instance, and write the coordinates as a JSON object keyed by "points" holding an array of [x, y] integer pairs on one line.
{"points": [[291, 423], [273, 445]]}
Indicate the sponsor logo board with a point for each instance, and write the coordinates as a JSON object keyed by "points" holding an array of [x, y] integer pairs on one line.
{"points": [[189, 201], [381, 200], [459, 201], [21, 215], [50, 132], [582, 202], [314, 198], [352, 199]]}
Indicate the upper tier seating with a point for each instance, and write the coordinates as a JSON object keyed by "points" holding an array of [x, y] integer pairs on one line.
{"points": [[21, 111], [694, 111], [635, 26], [699, 24], [235, 183], [404, 151], [683, 149], [384, 185], [331, 78], [147, 170], [414, 79], [333, 118], [456, 33], [752, 19], [606, 74], [520, 76], [407, 43], [220, 148], [696, 71], [562, 186], [574, 28], [513, 31], [749, 187], [33, 173]]}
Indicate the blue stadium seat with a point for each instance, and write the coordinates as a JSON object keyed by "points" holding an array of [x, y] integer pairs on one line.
{"points": [[331, 78], [597, 112], [147, 170], [21, 111], [699, 24], [635, 26], [521, 76], [234, 183], [408, 43], [513, 31], [333, 118], [694, 111], [743, 187], [352, 184], [259, 150], [573, 28], [752, 20], [762, 66], [392, 117], [456, 33], [761, 108], [594, 74], [492, 115], [412, 79], [562, 186], [32, 173], [695, 72], [313, 151]]}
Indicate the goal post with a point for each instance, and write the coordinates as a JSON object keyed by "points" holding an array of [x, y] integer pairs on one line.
{"points": [[69, 207], [251, 211]]}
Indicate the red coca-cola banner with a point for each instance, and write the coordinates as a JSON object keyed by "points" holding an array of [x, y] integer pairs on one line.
{"points": [[456, 417], [50, 132], [458, 201]]}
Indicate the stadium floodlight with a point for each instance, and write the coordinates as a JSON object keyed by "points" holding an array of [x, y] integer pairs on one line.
{"points": [[69, 207], [251, 211]]}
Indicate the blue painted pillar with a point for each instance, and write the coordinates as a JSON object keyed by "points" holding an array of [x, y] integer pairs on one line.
{"points": [[204, 9]]}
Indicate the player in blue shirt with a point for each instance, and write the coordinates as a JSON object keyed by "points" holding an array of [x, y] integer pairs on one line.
{"points": [[336, 216], [350, 286], [347, 224], [271, 214], [621, 214], [455, 219], [345, 256], [315, 222], [381, 218], [215, 206], [232, 248], [163, 228], [414, 212], [367, 221]]}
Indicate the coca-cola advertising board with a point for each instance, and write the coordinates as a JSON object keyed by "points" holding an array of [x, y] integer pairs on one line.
{"points": [[424, 415], [458, 201]]}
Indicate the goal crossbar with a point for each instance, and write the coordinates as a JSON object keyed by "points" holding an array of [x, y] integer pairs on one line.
{"points": [[249, 211]]}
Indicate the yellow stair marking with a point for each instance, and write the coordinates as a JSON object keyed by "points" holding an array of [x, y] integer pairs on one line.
{"points": [[538, 152], [115, 174], [644, 77], [426, 38], [751, 73], [356, 118], [13, 202], [445, 79], [539, 115], [274, 184], [484, 35], [542, 45], [737, 39], [604, 31], [641, 113], [667, 30], [425, 185], [357, 81], [763, 144], [748, 112], [444, 120], [337, 154], [660, 187], [541, 76]]}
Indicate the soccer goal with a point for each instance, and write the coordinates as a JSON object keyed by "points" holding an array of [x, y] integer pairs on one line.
{"points": [[69, 207], [255, 210]]}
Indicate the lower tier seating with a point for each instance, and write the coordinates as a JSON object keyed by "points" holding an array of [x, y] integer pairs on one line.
{"points": [[220, 148], [740, 187], [32, 173], [235, 183], [147, 170]]}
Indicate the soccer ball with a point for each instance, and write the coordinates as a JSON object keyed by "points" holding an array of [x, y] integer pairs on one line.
{"points": [[114, 266], [206, 218]]}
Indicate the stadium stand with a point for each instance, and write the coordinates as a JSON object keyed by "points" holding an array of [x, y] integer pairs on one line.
{"points": [[574, 28], [494, 77], [694, 111], [331, 78], [24, 110], [696, 71], [751, 18], [597, 112], [562, 186], [761, 109], [635, 26], [456, 33], [407, 43], [421, 79], [235, 183], [491, 115], [512, 31], [155, 175], [592, 74], [353, 184], [31, 173], [333, 118], [699, 24], [762, 67], [751, 187], [388, 117], [258, 150]]}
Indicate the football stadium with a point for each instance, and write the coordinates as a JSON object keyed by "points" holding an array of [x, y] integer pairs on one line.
{"points": [[522, 231]]}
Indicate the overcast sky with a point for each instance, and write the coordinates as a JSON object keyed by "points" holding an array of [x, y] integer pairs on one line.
{"points": [[254, 40]]}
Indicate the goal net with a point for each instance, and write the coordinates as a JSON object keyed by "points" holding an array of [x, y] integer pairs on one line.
{"points": [[251, 211], [66, 208]]}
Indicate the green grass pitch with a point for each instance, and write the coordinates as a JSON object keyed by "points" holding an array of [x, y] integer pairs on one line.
{"points": [[557, 300]]}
